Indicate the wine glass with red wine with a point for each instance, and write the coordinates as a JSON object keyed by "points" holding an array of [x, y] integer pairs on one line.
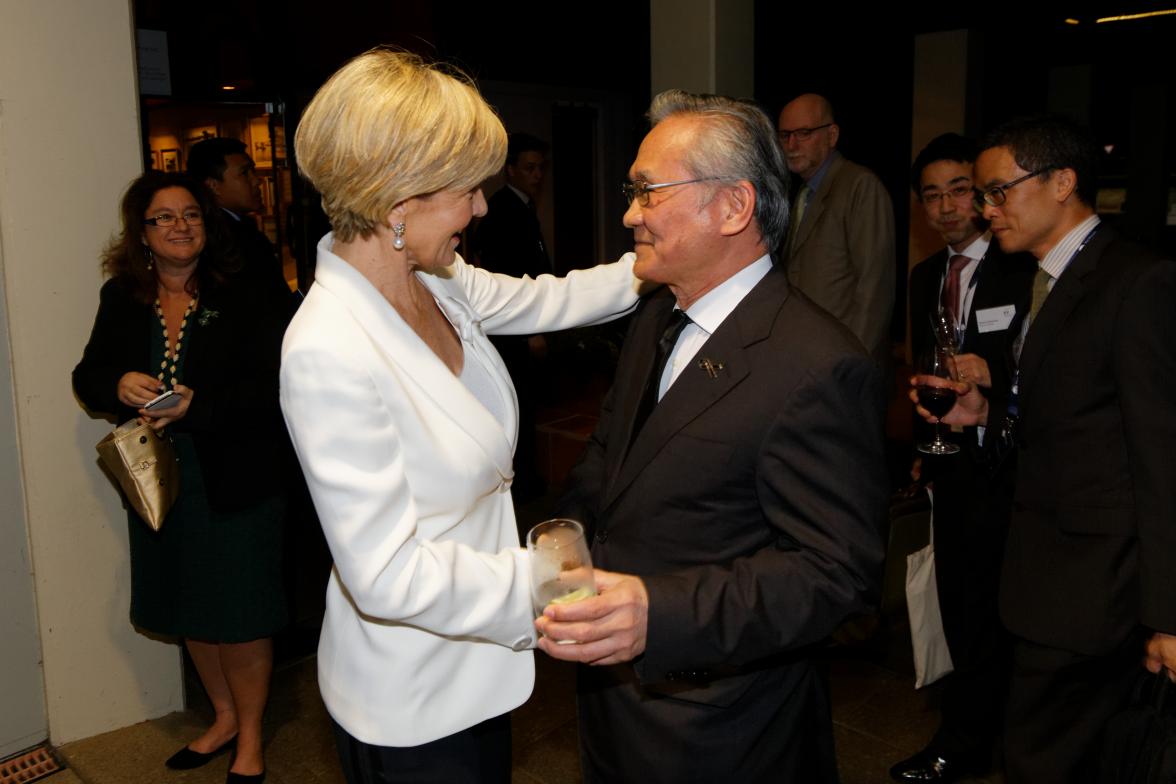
{"points": [[938, 362]]}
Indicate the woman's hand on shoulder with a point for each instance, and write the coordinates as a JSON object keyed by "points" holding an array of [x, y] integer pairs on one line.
{"points": [[160, 420], [137, 389]]}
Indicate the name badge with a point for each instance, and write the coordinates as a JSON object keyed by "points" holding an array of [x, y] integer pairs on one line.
{"points": [[995, 319]]}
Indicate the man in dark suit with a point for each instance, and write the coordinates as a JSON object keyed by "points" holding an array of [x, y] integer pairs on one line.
{"points": [[509, 240], [734, 487], [228, 171], [1089, 573], [984, 295]]}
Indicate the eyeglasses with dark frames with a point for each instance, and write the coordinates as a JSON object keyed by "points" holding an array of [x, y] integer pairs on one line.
{"points": [[165, 220], [801, 134], [996, 196], [931, 198], [639, 190]]}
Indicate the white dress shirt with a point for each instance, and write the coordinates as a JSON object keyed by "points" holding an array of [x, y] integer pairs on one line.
{"points": [[975, 251], [707, 314]]}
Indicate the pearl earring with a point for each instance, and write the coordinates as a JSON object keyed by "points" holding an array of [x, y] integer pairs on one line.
{"points": [[398, 239], [150, 259]]}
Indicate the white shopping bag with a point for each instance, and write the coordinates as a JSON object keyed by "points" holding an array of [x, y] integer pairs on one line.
{"points": [[932, 658]]}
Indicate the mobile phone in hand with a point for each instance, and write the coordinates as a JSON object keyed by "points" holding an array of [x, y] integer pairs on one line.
{"points": [[163, 402]]}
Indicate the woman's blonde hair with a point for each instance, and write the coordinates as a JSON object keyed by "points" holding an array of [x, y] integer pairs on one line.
{"points": [[388, 126]]}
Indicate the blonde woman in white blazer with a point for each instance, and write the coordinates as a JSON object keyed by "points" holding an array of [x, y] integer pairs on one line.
{"points": [[404, 419]]}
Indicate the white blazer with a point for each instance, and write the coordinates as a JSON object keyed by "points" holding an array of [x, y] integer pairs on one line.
{"points": [[428, 620]]}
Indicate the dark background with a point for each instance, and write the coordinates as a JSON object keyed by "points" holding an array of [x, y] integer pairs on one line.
{"points": [[861, 60], [1019, 60]]}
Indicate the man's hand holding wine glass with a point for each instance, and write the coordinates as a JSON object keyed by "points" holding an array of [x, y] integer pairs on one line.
{"points": [[971, 407]]}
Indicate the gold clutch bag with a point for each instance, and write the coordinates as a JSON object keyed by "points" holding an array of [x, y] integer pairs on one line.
{"points": [[144, 463]]}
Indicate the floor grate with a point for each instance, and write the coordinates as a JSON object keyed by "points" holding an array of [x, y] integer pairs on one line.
{"points": [[29, 766]]}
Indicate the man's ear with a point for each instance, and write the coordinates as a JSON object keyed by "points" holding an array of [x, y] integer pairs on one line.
{"points": [[738, 207], [834, 134], [1065, 183], [213, 185]]}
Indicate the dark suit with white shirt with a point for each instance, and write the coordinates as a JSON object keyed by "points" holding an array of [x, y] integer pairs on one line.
{"points": [[972, 501], [750, 504], [260, 261]]}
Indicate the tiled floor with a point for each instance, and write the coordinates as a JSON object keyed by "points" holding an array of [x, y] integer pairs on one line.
{"points": [[878, 716]]}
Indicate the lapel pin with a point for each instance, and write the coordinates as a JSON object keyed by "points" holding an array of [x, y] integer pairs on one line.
{"points": [[712, 368]]}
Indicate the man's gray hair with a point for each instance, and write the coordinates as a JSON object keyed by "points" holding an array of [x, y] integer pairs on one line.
{"points": [[739, 144]]}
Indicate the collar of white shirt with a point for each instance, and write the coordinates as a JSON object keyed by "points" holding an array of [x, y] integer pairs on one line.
{"points": [[975, 249], [708, 313]]}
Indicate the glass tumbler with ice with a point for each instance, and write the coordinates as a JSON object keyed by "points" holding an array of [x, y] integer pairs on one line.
{"points": [[561, 568]]}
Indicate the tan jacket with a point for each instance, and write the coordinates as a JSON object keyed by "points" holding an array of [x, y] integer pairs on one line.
{"points": [[843, 254]]}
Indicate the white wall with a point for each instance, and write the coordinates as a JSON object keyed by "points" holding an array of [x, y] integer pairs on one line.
{"points": [[23, 721], [69, 144]]}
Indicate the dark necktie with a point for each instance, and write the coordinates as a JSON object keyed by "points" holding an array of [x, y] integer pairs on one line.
{"points": [[950, 299], [665, 345]]}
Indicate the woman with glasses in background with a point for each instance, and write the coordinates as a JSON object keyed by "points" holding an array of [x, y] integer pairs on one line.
{"points": [[174, 316]]}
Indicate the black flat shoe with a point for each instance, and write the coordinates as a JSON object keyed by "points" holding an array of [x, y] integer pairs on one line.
{"points": [[245, 778], [929, 765], [187, 759]]}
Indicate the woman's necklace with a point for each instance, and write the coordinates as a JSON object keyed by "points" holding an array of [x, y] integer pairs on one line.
{"points": [[171, 357]]}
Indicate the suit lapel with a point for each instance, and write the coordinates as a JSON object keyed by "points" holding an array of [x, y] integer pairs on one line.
{"points": [[817, 203], [650, 325], [414, 364], [1067, 292], [985, 295], [695, 390], [924, 300], [205, 342]]}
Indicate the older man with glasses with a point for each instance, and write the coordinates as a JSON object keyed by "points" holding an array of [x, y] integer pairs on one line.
{"points": [[734, 487], [840, 244]]}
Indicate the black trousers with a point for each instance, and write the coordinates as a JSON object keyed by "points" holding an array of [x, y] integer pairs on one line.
{"points": [[478, 755], [1059, 704], [972, 512]]}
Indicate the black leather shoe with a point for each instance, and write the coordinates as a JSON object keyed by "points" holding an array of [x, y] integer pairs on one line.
{"points": [[928, 765], [187, 759], [245, 778]]}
